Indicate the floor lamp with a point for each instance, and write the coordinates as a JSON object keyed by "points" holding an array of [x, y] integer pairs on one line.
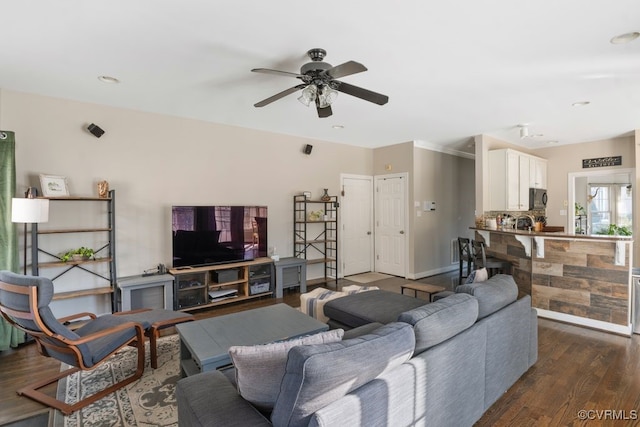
{"points": [[28, 211]]}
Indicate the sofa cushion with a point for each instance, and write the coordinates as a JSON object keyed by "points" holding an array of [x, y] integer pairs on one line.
{"points": [[494, 294], [367, 307], [260, 368], [317, 375], [437, 322]]}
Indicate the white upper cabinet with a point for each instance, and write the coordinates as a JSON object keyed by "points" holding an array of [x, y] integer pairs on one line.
{"points": [[537, 173], [511, 174]]}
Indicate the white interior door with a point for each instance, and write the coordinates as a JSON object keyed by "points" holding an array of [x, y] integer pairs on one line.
{"points": [[391, 231], [356, 211]]}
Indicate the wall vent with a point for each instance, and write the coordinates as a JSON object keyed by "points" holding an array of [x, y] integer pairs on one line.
{"points": [[455, 254]]}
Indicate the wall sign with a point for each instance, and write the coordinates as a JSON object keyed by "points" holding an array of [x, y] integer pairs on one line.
{"points": [[601, 162]]}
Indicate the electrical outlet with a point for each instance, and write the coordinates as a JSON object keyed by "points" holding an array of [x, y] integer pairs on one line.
{"points": [[566, 203]]}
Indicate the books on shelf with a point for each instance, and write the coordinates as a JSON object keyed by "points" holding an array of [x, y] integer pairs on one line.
{"points": [[222, 294]]}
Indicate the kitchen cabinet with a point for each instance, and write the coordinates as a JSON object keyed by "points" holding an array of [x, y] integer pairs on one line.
{"points": [[511, 174], [537, 172]]}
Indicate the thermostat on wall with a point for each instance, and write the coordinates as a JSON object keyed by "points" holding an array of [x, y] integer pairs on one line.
{"points": [[429, 205]]}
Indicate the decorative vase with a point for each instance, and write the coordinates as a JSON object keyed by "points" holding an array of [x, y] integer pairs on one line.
{"points": [[103, 189], [325, 197]]}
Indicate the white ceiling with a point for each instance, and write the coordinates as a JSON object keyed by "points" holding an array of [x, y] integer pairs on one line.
{"points": [[452, 69]]}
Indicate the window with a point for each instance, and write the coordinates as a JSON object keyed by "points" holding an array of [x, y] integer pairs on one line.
{"points": [[609, 204]]}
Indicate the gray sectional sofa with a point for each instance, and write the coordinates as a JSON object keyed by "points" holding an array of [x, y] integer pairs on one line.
{"points": [[439, 364]]}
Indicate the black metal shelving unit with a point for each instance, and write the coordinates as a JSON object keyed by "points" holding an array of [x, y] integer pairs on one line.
{"points": [[104, 254], [315, 235]]}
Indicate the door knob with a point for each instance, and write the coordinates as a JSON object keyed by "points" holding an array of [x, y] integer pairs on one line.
{"points": [[368, 233], [401, 231]]}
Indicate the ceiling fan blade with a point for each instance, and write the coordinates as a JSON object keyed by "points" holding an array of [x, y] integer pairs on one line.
{"points": [[279, 95], [276, 72], [358, 92], [346, 69], [323, 112]]}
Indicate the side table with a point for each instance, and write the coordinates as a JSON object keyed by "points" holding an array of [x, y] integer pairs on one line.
{"points": [[290, 272], [152, 291], [422, 287]]}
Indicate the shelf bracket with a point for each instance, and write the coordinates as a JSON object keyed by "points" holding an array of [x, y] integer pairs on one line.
{"points": [[526, 242], [539, 246]]}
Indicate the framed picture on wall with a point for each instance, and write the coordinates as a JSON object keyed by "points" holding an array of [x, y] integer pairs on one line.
{"points": [[54, 186]]}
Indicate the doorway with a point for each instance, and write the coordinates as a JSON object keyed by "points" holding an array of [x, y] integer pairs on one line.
{"points": [[356, 201], [599, 200], [391, 224]]}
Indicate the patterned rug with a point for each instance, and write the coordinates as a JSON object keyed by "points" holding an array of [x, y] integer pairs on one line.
{"points": [[367, 277], [150, 401]]}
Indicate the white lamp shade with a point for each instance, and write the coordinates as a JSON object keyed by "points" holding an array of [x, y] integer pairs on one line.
{"points": [[29, 210]]}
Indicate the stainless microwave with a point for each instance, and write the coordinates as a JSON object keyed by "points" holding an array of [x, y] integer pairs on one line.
{"points": [[537, 198]]}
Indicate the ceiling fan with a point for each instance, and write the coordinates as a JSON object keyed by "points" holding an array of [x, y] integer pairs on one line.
{"points": [[319, 85]]}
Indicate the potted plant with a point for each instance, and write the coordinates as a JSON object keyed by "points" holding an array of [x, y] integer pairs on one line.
{"points": [[615, 230], [80, 254]]}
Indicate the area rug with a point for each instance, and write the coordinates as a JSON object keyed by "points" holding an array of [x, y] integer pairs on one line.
{"points": [[150, 401], [367, 277]]}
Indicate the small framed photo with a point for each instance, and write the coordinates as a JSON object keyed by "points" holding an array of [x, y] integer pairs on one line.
{"points": [[54, 186], [307, 194]]}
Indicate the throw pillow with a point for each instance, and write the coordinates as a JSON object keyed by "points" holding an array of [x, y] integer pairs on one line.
{"points": [[260, 368], [480, 275], [317, 375]]}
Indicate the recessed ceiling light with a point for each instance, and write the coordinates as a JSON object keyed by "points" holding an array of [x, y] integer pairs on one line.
{"points": [[580, 103], [625, 38], [108, 79], [338, 126]]}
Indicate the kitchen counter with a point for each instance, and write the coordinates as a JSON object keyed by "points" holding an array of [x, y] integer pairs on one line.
{"points": [[574, 278], [557, 234]]}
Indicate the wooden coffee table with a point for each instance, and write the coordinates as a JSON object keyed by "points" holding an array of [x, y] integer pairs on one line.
{"points": [[204, 344], [421, 287]]}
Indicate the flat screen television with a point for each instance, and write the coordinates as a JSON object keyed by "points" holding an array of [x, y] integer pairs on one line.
{"points": [[208, 235]]}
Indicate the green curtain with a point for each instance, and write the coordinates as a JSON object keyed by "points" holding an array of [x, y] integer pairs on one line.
{"points": [[9, 254]]}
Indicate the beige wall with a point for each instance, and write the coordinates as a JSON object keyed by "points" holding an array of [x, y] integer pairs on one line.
{"points": [[154, 162], [449, 181]]}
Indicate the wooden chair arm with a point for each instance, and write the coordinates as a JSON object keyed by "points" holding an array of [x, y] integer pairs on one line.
{"points": [[76, 317]]}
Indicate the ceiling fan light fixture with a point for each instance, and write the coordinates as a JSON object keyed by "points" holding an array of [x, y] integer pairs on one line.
{"points": [[524, 131], [308, 95], [326, 97]]}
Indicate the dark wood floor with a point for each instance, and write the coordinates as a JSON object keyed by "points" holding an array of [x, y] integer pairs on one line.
{"points": [[577, 369]]}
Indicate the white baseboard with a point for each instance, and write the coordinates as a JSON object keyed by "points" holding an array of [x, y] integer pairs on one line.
{"points": [[423, 274], [583, 321]]}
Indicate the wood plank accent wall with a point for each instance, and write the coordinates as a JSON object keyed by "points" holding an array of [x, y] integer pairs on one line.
{"points": [[576, 276], [579, 277], [505, 246]]}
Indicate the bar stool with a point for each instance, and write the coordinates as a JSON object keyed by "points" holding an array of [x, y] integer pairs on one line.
{"points": [[492, 264], [464, 255]]}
